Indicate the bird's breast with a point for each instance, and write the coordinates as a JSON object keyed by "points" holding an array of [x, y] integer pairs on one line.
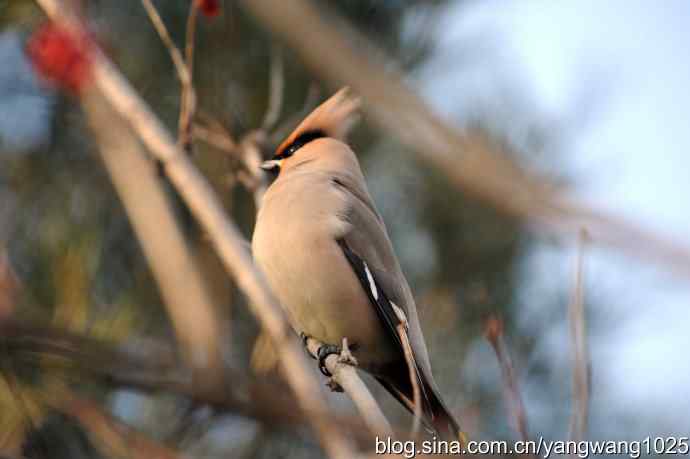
{"points": [[295, 245]]}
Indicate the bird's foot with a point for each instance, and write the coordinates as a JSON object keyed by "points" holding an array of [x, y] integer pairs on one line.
{"points": [[326, 350], [305, 342], [322, 354], [346, 356], [333, 385]]}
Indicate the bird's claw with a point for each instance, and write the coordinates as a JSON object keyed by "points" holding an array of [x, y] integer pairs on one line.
{"points": [[343, 353], [333, 385], [322, 354], [324, 351], [346, 356], [305, 342]]}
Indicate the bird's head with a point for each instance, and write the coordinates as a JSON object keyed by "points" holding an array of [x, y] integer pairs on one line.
{"points": [[334, 118]]}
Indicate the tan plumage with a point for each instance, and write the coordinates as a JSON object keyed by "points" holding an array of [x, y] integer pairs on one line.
{"points": [[326, 254]]}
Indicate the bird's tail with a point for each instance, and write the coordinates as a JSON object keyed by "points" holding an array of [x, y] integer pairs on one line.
{"points": [[443, 421], [435, 414]]}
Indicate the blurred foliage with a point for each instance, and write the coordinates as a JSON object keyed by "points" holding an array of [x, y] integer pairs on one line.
{"points": [[59, 436], [81, 267]]}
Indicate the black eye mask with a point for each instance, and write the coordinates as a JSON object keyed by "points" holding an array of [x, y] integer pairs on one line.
{"points": [[299, 142]]}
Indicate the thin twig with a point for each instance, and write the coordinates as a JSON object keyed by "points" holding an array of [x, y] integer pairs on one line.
{"points": [[252, 158], [188, 96], [224, 234], [190, 35], [219, 140], [287, 126], [511, 391], [114, 437], [183, 72], [578, 335], [345, 376], [275, 90], [248, 152], [183, 65]]}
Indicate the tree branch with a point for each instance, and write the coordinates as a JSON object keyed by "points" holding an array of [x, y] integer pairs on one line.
{"points": [[344, 375], [183, 72], [150, 366], [113, 437], [183, 65], [578, 336], [174, 268], [188, 97], [275, 89], [511, 391], [225, 236]]}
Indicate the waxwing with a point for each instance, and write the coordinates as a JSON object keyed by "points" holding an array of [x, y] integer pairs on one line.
{"points": [[325, 252]]}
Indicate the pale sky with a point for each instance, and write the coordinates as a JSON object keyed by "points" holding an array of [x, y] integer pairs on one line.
{"points": [[632, 158]]}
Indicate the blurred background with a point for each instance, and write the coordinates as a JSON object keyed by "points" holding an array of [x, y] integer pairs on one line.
{"points": [[591, 95]]}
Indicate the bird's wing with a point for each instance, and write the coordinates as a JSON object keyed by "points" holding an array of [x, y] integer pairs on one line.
{"points": [[396, 324], [367, 238], [369, 251]]}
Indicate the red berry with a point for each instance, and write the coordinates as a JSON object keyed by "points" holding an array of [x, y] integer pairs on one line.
{"points": [[493, 328], [60, 56], [210, 8]]}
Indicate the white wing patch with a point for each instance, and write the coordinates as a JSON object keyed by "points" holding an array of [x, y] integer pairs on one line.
{"points": [[372, 284], [400, 313], [375, 292]]}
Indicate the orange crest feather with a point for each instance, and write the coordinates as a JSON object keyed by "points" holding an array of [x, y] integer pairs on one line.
{"points": [[335, 117]]}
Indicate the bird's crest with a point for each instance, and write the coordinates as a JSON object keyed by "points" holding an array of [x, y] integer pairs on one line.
{"points": [[334, 118]]}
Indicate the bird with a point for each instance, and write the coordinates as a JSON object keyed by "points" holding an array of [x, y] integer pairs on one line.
{"points": [[325, 252]]}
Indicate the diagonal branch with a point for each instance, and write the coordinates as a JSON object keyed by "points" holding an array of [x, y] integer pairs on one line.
{"points": [[163, 243], [213, 133], [224, 234], [344, 375]]}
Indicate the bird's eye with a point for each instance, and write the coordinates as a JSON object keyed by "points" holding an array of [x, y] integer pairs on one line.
{"points": [[300, 141]]}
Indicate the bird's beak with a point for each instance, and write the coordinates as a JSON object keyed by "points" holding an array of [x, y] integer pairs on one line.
{"points": [[271, 164]]}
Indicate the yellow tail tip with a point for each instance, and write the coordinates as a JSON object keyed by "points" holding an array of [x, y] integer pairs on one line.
{"points": [[463, 438]]}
